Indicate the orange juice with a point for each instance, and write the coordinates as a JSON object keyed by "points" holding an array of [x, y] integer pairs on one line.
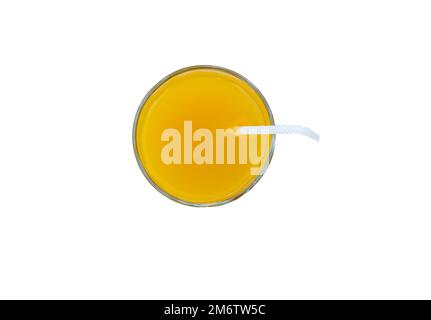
{"points": [[186, 107]]}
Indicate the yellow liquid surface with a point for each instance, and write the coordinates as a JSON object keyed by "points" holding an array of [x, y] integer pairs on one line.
{"points": [[212, 99]]}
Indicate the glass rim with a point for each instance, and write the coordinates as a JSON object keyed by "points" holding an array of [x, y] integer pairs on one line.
{"points": [[148, 95]]}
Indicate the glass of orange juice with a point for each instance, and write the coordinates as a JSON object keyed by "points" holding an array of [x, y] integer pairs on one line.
{"points": [[184, 136]]}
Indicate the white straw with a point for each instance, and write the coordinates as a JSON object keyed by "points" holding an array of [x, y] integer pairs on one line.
{"points": [[279, 129]]}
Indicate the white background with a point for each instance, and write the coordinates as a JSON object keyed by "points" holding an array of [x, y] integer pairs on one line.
{"points": [[349, 217]]}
